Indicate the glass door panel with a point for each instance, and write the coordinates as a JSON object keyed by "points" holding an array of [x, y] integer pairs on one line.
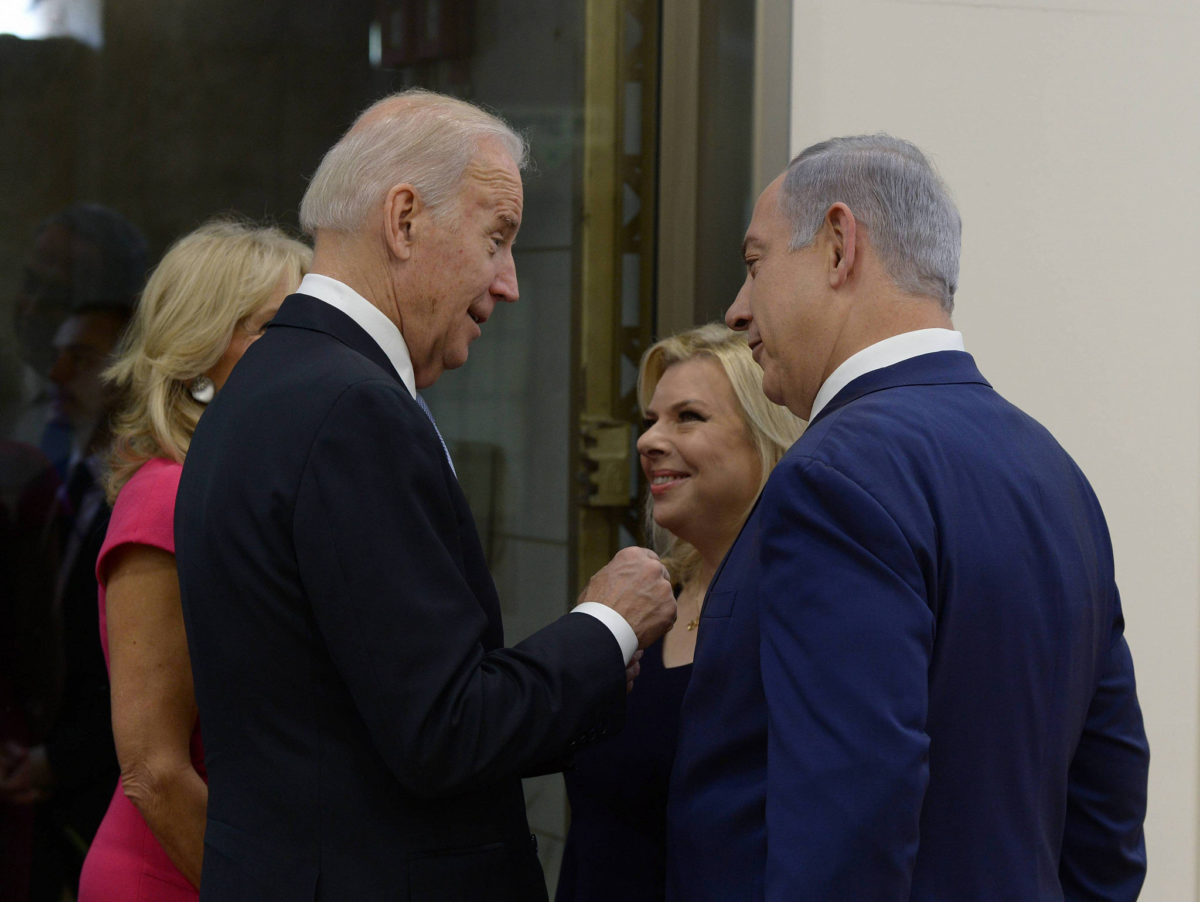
{"points": [[170, 113]]}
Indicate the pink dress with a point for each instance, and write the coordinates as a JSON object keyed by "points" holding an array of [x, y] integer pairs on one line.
{"points": [[125, 862]]}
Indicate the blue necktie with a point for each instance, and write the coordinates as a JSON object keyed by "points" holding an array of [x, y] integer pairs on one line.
{"points": [[425, 409]]}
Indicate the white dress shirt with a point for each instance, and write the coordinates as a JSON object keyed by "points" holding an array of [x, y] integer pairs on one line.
{"points": [[885, 353], [390, 340], [373, 321]]}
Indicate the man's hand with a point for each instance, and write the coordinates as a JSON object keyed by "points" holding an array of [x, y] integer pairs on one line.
{"points": [[635, 584], [634, 668]]}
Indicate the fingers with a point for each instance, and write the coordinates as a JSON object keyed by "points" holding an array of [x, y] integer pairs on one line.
{"points": [[632, 671], [637, 585]]}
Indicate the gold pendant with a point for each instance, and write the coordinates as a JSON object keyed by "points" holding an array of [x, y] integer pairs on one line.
{"points": [[692, 624]]}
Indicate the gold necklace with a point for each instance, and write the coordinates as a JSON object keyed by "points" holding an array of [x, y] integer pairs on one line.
{"points": [[695, 621]]}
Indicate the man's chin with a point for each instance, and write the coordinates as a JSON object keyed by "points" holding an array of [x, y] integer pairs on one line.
{"points": [[776, 395], [454, 359], [773, 390], [426, 375]]}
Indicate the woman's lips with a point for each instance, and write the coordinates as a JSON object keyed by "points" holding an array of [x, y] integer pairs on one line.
{"points": [[660, 483]]}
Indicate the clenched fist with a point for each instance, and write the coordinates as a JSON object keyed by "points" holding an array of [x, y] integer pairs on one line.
{"points": [[635, 584]]}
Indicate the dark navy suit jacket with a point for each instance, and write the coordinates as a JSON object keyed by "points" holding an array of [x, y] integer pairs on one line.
{"points": [[364, 727], [911, 680]]}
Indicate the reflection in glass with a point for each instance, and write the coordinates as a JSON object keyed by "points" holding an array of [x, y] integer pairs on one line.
{"points": [[79, 19]]}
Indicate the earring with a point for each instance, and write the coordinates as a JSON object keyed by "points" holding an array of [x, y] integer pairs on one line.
{"points": [[203, 389]]}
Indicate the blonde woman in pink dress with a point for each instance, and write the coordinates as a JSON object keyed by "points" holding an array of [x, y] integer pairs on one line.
{"points": [[208, 300]]}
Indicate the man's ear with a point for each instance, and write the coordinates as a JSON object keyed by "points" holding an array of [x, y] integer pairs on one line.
{"points": [[401, 207], [841, 230]]}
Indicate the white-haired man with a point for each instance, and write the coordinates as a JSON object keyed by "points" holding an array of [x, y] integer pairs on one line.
{"points": [[365, 729], [911, 680]]}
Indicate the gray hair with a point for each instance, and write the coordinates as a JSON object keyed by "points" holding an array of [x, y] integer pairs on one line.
{"points": [[892, 190], [416, 136]]}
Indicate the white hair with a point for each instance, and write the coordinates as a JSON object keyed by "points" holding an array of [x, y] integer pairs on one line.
{"points": [[416, 136], [892, 190]]}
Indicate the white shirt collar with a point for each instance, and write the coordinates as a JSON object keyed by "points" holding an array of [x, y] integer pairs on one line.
{"points": [[885, 353], [373, 321]]}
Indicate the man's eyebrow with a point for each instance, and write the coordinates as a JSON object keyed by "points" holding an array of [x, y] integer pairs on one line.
{"points": [[509, 223], [749, 242]]}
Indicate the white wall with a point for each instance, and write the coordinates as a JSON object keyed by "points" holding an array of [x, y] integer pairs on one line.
{"points": [[1070, 134]]}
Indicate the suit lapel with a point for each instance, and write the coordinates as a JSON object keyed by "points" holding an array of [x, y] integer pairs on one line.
{"points": [[302, 311], [721, 566], [938, 368]]}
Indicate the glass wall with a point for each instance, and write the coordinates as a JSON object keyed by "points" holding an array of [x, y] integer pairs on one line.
{"points": [[166, 114], [142, 119]]}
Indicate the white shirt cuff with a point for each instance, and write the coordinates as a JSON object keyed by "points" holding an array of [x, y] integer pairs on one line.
{"points": [[616, 624]]}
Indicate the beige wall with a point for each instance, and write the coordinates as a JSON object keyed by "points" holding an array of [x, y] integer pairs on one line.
{"points": [[1069, 132]]}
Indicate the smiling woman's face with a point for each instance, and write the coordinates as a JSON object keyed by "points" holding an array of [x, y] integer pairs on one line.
{"points": [[696, 451]]}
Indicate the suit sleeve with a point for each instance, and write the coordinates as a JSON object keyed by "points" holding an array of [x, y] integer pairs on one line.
{"points": [[382, 558], [846, 642], [1104, 848]]}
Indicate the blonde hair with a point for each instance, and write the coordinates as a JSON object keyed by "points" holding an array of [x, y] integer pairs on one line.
{"points": [[771, 428], [207, 283]]}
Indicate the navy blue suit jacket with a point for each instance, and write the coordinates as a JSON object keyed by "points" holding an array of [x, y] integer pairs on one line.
{"points": [[365, 730], [911, 680]]}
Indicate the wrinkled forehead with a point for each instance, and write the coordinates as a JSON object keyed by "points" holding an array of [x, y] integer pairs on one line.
{"points": [[492, 165], [492, 179]]}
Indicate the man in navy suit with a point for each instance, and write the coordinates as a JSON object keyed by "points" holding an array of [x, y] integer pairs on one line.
{"points": [[911, 680], [365, 729]]}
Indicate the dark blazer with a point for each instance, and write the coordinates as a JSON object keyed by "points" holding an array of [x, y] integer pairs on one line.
{"points": [[364, 729], [911, 681]]}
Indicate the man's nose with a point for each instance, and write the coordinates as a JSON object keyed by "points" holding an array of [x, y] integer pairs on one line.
{"points": [[738, 317], [504, 286]]}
